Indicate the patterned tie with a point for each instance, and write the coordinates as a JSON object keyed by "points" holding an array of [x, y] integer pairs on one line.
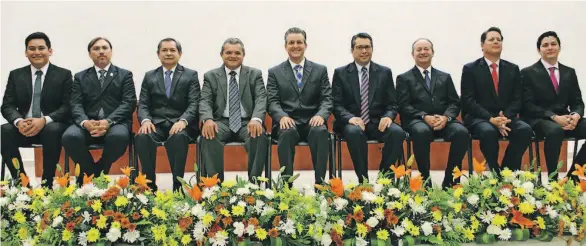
{"points": [[427, 79], [102, 79], [364, 114], [495, 78], [168, 83], [299, 76], [554, 80], [37, 95], [234, 100]]}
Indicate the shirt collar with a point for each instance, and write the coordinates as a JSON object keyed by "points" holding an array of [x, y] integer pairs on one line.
{"points": [[423, 69], [237, 70], [107, 68], [293, 64], [547, 65], [44, 69], [359, 67], [498, 62], [172, 69]]}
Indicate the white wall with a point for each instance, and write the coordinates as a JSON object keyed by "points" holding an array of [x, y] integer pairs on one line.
{"points": [[134, 28]]}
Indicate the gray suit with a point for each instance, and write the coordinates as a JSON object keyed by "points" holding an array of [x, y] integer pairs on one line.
{"points": [[313, 99], [253, 99]]}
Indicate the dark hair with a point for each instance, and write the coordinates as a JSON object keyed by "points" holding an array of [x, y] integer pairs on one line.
{"points": [[37, 35], [96, 39], [548, 34], [426, 39], [177, 44], [233, 41], [360, 35], [296, 30], [491, 29]]}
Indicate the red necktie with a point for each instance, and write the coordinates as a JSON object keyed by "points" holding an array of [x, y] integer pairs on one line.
{"points": [[554, 80], [495, 78]]}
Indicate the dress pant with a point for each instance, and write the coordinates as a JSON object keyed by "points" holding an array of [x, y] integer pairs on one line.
{"points": [[519, 139], [76, 141], [213, 149], [392, 138], [423, 135], [176, 146], [49, 137]]}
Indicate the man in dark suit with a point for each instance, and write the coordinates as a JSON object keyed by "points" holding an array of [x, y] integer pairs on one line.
{"points": [[365, 107], [491, 101], [102, 102], [233, 107], [167, 112], [553, 101], [429, 105], [36, 105], [300, 102]]}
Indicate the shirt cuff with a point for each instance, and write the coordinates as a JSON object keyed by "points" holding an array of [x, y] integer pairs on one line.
{"points": [[143, 121], [16, 121], [257, 119], [48, 120], [81, 124], [186, 123], [573, 113]]}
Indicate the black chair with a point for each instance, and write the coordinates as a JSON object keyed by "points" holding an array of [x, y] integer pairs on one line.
{"points": [[470, 168]]}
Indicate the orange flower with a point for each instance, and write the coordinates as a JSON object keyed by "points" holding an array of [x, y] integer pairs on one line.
{"points": [[520, 220], [24, 180], [141, 180], [456, 173], [479, 167], [273, 232], [415, 183], [579, 170], [582, 185], [127, 170], [400, 171], [253, 221], [123, 182], [194, 192], [337, 186], [63, 180], [86, 179], [210, 182]]}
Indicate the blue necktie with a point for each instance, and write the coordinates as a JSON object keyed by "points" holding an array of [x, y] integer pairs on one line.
{"points": [[299, 76], [234, 102], [37, 95], [427, 79], [168, 83]]}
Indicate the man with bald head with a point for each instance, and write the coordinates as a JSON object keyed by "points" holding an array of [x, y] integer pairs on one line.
{"points": [[429, 105]]}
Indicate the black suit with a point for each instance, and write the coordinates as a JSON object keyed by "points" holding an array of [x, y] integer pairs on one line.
{"points": [[542, 102], [18, 97], [117, 98], [416, 100], [480, 102], [381, 103], [163, 112], [313, 99]]}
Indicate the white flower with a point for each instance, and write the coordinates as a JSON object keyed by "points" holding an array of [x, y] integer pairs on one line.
{"points": [[416, 208], [309, 192], [551, 212], [506, 192], [198, 231], [241, 204], [57, 221], [399, 231], [250, 230], [37, 218], [129, 195], [269, 194], [198, 211], [82, 239], [486, 217], [207, 193], [259, 206], [326, 239], [538, 204], [23, 198], [11, 207], [394, 192], [446, 224], [427, 228], [492, 229], [372, 222], [233, 199], [361, 242], [252, 186], [288, 227], [4, 224], [86, 217], [340, 203], [377, 188], [573, 229], [113, 234], [142, 198], [516, 183], [458, 223], [473, 199], [219, 240], [368, 197], [238, 228], [505, 234], [28, 242], [528, 186], [242, 191], [131, 236], [267, 210], [12, 191], [378, 213], [3, 201]]}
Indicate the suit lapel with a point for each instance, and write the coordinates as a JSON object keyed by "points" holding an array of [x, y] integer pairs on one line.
{"points": [[291, 76], [112, 72], [222, 80], [420, 78], [487, 77], [28, 79], [242, 80], [564, 78], [544, 75], [306, 73], [47, 82], [176, 77], [354, 82], [92, 76], [160, 79], [372, 82], [434, 78]]}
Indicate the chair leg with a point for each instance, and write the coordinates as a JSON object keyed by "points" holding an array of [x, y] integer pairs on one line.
{"points": [[538, 160], [66, 161], [575, 152], [3, 173], [530, 156], [409, 145], [268, 165], [200, 166], [131, 157], [332, 156], [470, 161], [339, 157]]}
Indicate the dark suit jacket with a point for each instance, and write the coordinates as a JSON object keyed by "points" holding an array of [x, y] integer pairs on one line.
{"points": [[285, 99], [117, 97], [253, 95], [416, 100], [540, 99], [182, 104], [479, 99], [346, 93], [54, 94]]}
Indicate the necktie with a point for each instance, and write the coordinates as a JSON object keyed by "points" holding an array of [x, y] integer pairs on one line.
{"points": [[299, 76], [554, 80], [427, 79], [168, 83], [495, 78], [234, 102], [102, 79], [364, 114], [37, 95]]}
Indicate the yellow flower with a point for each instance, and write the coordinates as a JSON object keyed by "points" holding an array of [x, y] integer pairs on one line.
{"points": [[469, 234], [475, 223], [540, 223], [66, 235], [493, 181], [97, 206], [553, 198], [504, 200], [529, 176], [379, 200], [338, 228], [506, 173], [361, 230], [69, 190], [207, 219], [101, 222], [458, 192], [121, 201], [159, 213], [357, 208], [418, 199], [310, 230], [404, 198], [487, 193], [40, 192], [228, 183], [499, 220], [238, 210], [526, 208], [350, 186], [19, 217], [457, 207], [144, 213], [93, 235], [261, 233], [225, 212], [384, 181], [520, 191], [437, 215], [159, 232], [283, 206], [77, 208], [262, 179], [116, 224], [186, 239], [260, 192], [56, 212], [382, 234], [414, 231], [23, 233]]}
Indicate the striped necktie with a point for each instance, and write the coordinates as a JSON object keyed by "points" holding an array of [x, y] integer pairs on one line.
{"points": [[234, 102], [364, 113]]}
